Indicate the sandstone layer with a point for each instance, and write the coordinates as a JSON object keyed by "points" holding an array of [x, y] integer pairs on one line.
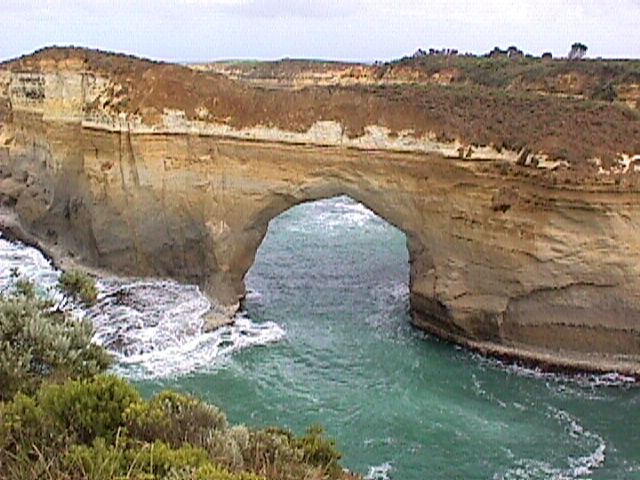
{"points": [[519, 246]]}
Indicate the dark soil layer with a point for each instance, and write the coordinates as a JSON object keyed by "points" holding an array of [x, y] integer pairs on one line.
{"points": [[479, 101]]}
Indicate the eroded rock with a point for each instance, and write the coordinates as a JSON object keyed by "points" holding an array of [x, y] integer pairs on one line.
{"points": [[508, 257]]}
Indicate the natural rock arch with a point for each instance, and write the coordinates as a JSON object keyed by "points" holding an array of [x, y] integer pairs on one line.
{"points": [[258, 220], [507, 255], [312, 241]]}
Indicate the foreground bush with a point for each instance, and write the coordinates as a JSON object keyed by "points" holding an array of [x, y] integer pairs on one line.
{"points": [[100, 428], [61, 419], [39, 342], [175, 419]]}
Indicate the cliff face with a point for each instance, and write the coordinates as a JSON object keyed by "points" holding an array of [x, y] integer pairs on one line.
{"points": [[154, 169]]}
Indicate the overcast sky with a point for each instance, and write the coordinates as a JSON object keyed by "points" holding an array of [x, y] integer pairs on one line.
{"points": [[198, 30]]}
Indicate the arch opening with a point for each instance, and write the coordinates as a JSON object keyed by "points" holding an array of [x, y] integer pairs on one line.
{"points": [[332, 256]]}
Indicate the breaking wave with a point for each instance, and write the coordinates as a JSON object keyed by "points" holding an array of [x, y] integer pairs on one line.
{"points": [[581, 380], [578, 465], [154, 328], [343, 214], [379, 472]]}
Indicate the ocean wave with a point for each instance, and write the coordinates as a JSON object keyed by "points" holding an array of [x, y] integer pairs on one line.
{"points": [[140, 317], [578, 466], [154, 328], [157, 329], [253, 294], [478, 390], [380, 472], [201, 352], [28, 262], [590, 381], [583, 465], [332, 216]]}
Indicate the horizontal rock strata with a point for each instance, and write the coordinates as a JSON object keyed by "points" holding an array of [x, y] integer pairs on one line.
{"points": [[514, 250]]}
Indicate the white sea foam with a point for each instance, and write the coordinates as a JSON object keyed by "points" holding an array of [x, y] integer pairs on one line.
{"points": [[334, 215], [380, 472], [578, 466], [353, 214], [478, 389], [583, 465], [155, 328], [199, 352], [252, 294], [583, 380], [29, 262]]}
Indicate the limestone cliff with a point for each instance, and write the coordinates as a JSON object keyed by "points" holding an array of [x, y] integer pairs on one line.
{"points": [[521, 244]]}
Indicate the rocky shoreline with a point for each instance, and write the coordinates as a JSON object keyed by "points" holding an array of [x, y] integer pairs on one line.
{"points": [[11, 230], [548, 361], [543, 360]]}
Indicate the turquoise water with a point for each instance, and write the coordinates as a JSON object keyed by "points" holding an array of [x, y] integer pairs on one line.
{"points": [[326, 339], [334, 276]]}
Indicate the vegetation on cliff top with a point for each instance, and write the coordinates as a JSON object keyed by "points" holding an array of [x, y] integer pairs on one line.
{"points": [[523, 73], [498, 69], [61, 418], [572, 110]]}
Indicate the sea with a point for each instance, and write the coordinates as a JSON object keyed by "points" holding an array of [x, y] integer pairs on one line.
{"points": [[324, 337]]}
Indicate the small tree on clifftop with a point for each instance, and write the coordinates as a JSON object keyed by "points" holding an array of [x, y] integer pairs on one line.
{"points": [[578, 51]]}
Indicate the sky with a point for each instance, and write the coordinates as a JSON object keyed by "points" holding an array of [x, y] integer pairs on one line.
{"points": [[357, 30]]}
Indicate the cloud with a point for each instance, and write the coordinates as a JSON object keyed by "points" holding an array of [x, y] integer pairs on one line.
{"points": [[343, 29], [296, 8]]}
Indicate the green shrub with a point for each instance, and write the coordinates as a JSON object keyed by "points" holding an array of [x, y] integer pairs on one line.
{"points": [[92, 408], [606, 93], [97, 427], [160, 459], [40, 343], [76, 412], [175, 419], [79, 286], [319, 451], [277, 453], [24, 423], [104, 461], [210, 472], [101, 429], [271, 454], [227, 448], [101, 461]]}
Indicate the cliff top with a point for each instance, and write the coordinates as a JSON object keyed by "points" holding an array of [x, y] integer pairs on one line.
{"points": [[556, 107], [77, 58], [599, 79]]}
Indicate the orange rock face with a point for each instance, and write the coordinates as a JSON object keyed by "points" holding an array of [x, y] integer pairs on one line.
{"points": [[156, 169]]}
